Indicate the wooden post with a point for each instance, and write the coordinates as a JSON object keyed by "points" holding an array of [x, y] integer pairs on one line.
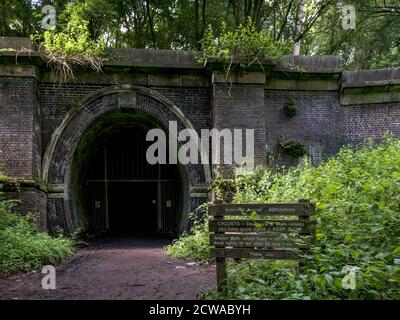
{"points": [[303, 218], [220, 262]]}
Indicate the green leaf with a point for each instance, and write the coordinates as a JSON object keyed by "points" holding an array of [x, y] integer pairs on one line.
{"points": [[396, 250], [375, 229], [329, 279], [261, 281]]}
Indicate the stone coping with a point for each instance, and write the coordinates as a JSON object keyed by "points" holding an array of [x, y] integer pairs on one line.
{"points": [[298, 69]]}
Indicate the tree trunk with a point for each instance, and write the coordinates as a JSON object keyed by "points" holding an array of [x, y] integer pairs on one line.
{"points": [[196, 23], [153, 37], [299, 26]]}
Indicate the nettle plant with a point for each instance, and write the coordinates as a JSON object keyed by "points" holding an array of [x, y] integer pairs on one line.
{"points": [[244, 46]]}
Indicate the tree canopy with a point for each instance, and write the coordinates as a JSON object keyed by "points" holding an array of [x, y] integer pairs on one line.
{"points": [[316, 25]]}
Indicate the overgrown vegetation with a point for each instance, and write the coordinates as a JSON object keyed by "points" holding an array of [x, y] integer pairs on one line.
{"points": [[357, 197], [193, 245], [23, 247], [245, 45], [241, 49], [68, 46]]}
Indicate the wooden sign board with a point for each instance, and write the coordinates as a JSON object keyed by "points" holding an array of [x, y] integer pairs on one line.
{"points": [[284, 226], [277, 209], [254, 254], [258, 238], [250, 241]]}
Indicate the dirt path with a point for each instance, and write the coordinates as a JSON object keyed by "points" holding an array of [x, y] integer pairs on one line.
{"points": [[117, 269]]}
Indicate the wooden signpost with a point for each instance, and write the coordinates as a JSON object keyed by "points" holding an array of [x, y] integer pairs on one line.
{"points": [[259, 238]]}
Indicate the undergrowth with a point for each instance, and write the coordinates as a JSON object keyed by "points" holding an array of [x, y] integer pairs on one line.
{"points": [[23, 247], [357, 198]]}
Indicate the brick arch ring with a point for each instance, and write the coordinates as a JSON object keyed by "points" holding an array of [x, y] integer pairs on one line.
{"points": [[57, 160]]}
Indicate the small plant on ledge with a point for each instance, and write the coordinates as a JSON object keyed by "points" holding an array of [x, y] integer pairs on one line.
{"points": [[243, 46], [292, 147], [290, 109], [68, 47]]}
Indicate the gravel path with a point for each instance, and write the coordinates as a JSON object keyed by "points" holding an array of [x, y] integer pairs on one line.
{"points": [[116, 269]]}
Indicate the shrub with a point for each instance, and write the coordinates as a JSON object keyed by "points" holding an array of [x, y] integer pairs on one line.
{"points": [[244, 45], [193, 245], [23, 247], [290, 108], [292, 147]]}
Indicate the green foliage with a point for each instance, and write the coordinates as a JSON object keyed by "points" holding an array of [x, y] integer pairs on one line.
{"points": [[357, 199], [167, 24], [292, 147], [23, 247], [290, 108], [71, 35], [388, 59], [69, 45], [244, 45], [193, 245]]}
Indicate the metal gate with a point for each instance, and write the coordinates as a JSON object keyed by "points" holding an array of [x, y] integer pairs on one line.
{"points": [[122, 160]]}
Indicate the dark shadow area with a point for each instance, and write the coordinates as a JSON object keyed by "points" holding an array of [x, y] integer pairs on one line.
{"points": [[118, 192]]}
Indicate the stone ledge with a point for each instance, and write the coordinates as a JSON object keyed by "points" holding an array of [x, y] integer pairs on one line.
{"points": [[348, 99], [368, 78], [16, 43], [150, 58], [140, 79], [311, 64], [238, 78], [370, 87], [18, 71], [303, 85]]}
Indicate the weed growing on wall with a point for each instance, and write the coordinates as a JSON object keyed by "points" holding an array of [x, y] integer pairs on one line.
{"points": [[68, 45], [292, 147], [244, 46]]}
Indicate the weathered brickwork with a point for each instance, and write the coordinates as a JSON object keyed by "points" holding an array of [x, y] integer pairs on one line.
{"points": [[56, 100], [19, 127], [194, 102], [60, 209], [318, 122], [241, 107], [323, 124]]}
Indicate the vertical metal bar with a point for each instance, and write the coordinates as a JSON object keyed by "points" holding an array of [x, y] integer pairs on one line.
{"points": [[106, 188], [159, 200]]}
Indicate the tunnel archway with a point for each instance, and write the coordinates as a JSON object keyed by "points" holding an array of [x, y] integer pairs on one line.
{"points": [[117, 190], [88, 124]]}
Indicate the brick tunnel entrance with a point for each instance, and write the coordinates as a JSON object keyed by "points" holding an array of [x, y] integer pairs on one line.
{"points": [[119, 192]]}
